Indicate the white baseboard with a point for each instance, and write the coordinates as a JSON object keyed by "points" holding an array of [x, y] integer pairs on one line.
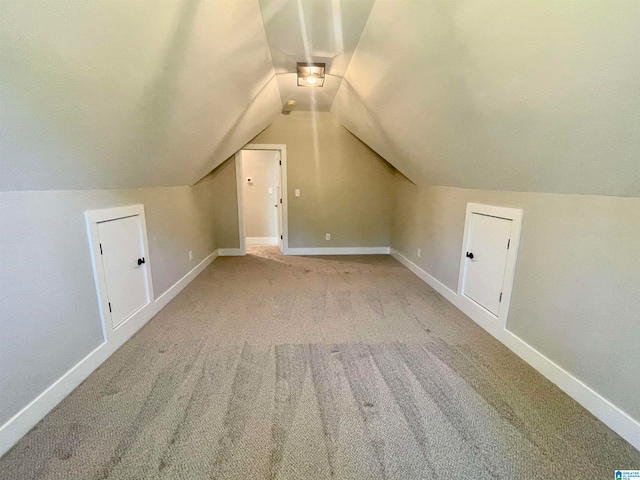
{"points": [[230, 252], [261, 240], [339, 251], [612, 416], [177, 287], [23, 421]]}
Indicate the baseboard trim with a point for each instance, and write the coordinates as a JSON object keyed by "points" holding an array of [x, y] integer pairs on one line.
{"points": [[177, 287], [261, 240], [23, 421], [609, 414], [339, 251], [230, 252]]}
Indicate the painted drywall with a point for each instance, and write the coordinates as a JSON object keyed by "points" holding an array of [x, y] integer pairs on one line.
{"points": [[225, 204], [345, 187], [575, 294], [129, 94], [260, 206], [539, 96], [312, 31], [50, 317]]}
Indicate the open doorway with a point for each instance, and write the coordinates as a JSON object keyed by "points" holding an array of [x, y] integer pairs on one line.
{"points": [[262, 196]]}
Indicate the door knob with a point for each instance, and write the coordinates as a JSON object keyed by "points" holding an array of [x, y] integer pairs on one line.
{"points": [[469, 255], [141, 261]]}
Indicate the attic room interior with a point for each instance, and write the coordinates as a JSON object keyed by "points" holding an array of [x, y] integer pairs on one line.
{"points": [[319, 239]]}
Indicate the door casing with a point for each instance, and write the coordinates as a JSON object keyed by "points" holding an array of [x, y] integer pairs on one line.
{"points": [[282, 207], [515, 215], [94, 217]]}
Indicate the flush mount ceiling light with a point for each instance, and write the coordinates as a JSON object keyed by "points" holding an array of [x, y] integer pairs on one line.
{"points": [[310, 74]]}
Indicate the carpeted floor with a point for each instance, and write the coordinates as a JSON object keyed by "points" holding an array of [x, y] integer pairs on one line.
{"points": [[272, 367]]}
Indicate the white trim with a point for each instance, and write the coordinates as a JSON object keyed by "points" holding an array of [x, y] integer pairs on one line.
{"points": [[230, 252], [23, 421], [240, 200], [282, 148], [177, 287], [262, 240], [615, 418], [103, 215], [340, 251], [515, 215]]}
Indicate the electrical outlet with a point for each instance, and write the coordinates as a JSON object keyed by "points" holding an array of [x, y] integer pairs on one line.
{"points": [[190, 255], [297, 192], [419, 252], [328, 236]]}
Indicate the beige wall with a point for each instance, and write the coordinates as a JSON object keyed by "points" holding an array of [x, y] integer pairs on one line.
{"points": [[225, 204], [50, 318], [575, 297], [346, 189], [129, 94], [260, 212], [531, 96]]}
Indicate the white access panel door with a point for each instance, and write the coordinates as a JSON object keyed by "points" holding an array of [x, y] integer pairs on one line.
{"points": [[486, 259], [279, 202], [122, 247]]}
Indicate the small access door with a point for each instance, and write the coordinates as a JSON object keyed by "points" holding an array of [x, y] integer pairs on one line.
{"points": [[124, 262], [486, 251]]}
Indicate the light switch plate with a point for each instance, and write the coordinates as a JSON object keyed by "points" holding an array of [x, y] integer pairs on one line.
{"points": [[297, 192]]}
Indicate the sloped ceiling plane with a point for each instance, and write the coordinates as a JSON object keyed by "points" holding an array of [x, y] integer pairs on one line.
{"points": [[532, 96]]}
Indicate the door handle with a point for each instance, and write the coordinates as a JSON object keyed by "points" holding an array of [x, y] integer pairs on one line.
{"points": [[469, 255], [141, 261]]}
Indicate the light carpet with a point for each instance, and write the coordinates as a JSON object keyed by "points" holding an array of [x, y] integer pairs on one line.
{"points": [[272, 367]]}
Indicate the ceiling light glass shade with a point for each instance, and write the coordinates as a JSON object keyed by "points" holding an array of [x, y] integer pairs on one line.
{"points": [[310, 74]]}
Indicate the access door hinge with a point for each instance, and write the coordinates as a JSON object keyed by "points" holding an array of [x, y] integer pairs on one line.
{"points": [[100, 249], [508, 244], [280, 162], [281, 237], [280, 200], [109, 306], [500, 298]]}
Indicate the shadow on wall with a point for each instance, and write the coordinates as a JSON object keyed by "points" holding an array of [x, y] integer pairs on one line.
{"points": [[384, 147], [390, 168], [222, 145], [224, 196]]}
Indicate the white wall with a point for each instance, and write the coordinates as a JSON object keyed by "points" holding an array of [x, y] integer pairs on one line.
{"points": [[260, 212], [50, 318], [575, 294]]}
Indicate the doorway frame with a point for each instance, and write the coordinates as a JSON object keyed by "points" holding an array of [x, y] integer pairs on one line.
{"points": [[282, 148], [515, 215]]}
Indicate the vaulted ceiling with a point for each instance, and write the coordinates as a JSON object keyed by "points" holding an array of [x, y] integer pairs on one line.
{"points": [[315, 32], [535, 95]]}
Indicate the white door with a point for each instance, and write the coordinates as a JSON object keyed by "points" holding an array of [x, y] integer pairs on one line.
{"points": [[279, 199], [124, 263], [486, 259]]}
